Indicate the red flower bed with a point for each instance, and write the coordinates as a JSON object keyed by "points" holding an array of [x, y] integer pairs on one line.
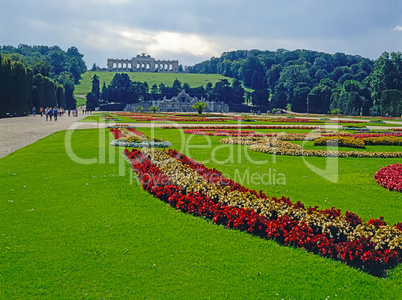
{"points": [[176, 119], [360, 253], [242, 127], [369, 135], [300, 120], [118, 134], [390, 177]]}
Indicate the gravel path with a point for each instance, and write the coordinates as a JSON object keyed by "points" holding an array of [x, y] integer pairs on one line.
{"points": [[16, 133]]}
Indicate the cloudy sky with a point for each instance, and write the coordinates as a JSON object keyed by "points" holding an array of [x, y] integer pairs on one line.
{"points": [[193, 31]]}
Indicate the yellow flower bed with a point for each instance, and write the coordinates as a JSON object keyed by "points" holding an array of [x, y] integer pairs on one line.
{"points": [[383, 140], [285, 149], [340, 141]]}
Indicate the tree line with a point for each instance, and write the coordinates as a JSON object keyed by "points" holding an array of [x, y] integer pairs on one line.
{"points": [[314, 82], [125, 91], [38, 76]]}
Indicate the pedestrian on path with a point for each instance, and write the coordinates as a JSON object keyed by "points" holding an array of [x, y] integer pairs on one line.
{"points": [[50, 113], [55, 113]]}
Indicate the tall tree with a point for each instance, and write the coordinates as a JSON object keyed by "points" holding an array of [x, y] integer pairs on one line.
{"points": [[96, 86], [66, 79], [177, 86]]}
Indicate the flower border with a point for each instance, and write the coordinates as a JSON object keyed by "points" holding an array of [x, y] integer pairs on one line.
{"points": [[183, 188], [390, 177]]}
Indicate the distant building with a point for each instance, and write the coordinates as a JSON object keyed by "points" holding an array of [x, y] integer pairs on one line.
{"points": [[180, 103], [143, 63]]}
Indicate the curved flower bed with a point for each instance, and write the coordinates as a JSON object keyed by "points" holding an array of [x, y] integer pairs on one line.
{"points": [[278, 146], [109, 117], [126, 136], [286, 148], [192, 188], [390, 177], [358, 141]]}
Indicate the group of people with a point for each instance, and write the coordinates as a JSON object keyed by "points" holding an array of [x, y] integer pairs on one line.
{"points": [[55, 112]]}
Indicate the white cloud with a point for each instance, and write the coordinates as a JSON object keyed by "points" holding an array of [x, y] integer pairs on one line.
{"points": [[398, 28]]}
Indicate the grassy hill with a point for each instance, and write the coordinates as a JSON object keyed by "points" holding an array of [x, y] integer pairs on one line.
{"points": [[193, 80]]}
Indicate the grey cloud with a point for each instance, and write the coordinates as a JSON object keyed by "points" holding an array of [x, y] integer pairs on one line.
{"points": [[365, 27]]}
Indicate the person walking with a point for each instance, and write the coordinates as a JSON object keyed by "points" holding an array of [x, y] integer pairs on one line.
{"points": [[34, 111], [47, 113], [55, 113], [50, 113]]}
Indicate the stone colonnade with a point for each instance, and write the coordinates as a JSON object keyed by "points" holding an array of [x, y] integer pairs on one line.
{"points": [[143, 64]]}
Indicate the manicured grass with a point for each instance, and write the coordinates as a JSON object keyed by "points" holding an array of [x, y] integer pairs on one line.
{"points": [[194, 80], [73, 230]]}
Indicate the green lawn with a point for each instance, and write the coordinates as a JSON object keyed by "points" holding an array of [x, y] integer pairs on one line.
{"points": [[194, 80], [74, 230]]}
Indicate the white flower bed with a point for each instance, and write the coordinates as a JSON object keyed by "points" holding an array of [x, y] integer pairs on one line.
{"points": [[164, 144]]}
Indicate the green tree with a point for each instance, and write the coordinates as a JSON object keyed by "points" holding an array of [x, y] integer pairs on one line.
{"points": [[274, 111], [252, 72], [120, 90], [92, 101], [41, 67], [391, 102], [319, 99], [75, 70], [222, 91], [96, 86], [177, 86], [237, 92], [209, 90], [153, 108], [386, 75], [154, 89], [199, 106], [67, 80], [60, 96], [58, 60]]}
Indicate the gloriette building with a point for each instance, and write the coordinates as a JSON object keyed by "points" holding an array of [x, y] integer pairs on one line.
{"points": [[143, 63]]}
